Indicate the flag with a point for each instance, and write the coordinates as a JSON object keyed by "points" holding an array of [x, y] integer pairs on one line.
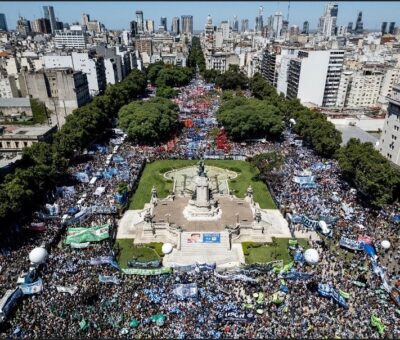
{"points": [[83, 325], [376, 322], [344, 294], [92, 234]]}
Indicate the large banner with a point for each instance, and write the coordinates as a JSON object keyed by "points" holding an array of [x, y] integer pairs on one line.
{"points": [[93, 234], [186, 291], [304, 179], [137, 271], [95, 261], [109, 279], [235, 277], [32, 288], [328, 291], [351, 244], [64, 289], [211, 238], [196, 266], [294, 275], [144, 265]]}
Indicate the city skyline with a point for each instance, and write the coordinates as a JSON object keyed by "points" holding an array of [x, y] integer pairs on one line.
{"points": [[118, 14]]}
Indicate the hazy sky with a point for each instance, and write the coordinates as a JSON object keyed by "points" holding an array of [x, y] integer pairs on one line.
{"points": [[117, 15]]}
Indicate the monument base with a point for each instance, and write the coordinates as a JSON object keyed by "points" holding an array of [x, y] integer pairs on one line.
{"points": [[194, 213]]}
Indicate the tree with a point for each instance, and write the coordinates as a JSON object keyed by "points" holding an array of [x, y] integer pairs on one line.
{"points": [[231, 79], [166, 92], [149, 122]]}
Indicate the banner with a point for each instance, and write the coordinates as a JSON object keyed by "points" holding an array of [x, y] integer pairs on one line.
{"points": [[344, 294], [109, 279], [304, 179], [295, 275], [328, 291], [237, 316], [144, 265], [351, 244], [234, 277], [137, 271], [376, 322], [186, 291], [202, 267], [32, 288], [93, 234], [211, 238], [79, 245], [8, 301], [64, 289], [338, 298]]}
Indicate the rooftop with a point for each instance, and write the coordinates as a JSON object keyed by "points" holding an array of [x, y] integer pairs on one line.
{"points": [[349, 132], [10, 102], [11, 131]]}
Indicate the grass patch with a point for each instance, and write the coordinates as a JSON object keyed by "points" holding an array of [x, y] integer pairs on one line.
{"points": [[129, 251], [153, 175], [266, 252]]}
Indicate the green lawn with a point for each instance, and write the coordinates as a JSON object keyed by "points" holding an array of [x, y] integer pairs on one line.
{"points": [[150, 252], [153, 175], [267, 252]]}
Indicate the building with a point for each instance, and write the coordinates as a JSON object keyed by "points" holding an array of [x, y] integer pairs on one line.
{"points": [[41, 26], [327, 23], [140, 21], [175, 27], [235, 24], [314, 76], [225, 30], [134, 28], [15, 108], [3, 22], [187, 24], [391, 27], [48, 12], [150, 26], [70, 39], [144, 45], [359, 29], [384, 28], [23, 26], [16, 138], [8, 87], [360, 88], [245, 25], [350, 27], [268, 66], [62, 89], [277, 25], [389, 145], [163, 23], [85, 19], [306, 28]]}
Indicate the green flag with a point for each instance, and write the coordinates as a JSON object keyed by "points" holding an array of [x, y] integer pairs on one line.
{"points": [[344, 294], [83, 325], [376, 322], [134, 323], [260, 298], [292, 242], [92, 234]]}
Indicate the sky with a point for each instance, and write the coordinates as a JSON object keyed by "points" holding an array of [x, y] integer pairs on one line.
{"points": [[117, 15]]}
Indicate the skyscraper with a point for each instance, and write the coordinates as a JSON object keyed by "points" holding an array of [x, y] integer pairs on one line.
{"points": [[187, 24], [163, 23], [306, 27], [3, 22], [140, 22], [359, 24], [23, 26], [245, 25], [384, 28], [259, 20], [150, 26], [350, 27], [175, 29], [85, 19], [327, 23], [277, 24], [48, 12], [235, 24], [134, 28], [391, 27]]}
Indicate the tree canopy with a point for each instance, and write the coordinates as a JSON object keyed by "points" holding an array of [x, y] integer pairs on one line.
{"points": [[249, 118], [232, 79], [163, 75], [149, 122], [370, 172]]}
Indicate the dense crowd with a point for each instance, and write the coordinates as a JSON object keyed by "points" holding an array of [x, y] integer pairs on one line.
{"points": [[85, 297]]}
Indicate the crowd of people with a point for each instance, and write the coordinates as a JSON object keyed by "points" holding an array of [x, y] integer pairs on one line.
{"points": [[86, 295]]}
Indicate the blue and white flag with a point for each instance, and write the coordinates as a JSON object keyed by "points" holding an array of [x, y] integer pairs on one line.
{"points": [[351, 244], [109, 279], [32, 288], [186, 291]]}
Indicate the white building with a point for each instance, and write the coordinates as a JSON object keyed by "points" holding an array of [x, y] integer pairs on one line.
{"points": [[225, 29], [327, 23], [389, 145], [70, 39], [314, 76]]}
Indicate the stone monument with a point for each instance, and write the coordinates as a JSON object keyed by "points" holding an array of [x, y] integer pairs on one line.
{"points": [[202, 206]]}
